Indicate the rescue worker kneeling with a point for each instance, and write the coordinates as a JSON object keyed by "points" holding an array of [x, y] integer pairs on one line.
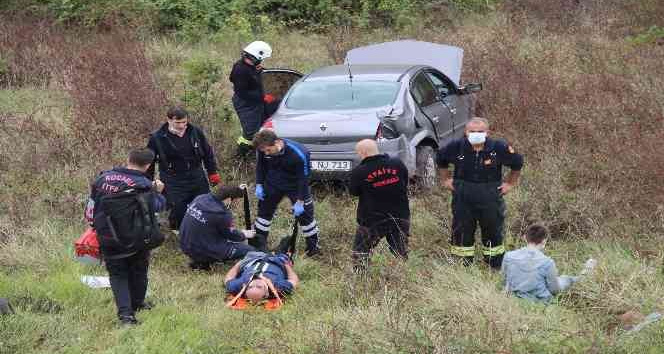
{"points": [[208, 233], [261, 276]]}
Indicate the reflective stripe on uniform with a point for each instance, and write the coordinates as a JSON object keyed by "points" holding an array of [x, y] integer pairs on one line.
{"points": [[242, 141], [463, 251], [264, 221], [310, 232], [493, 251], [308, 227], [262, 224], [261, 227]]}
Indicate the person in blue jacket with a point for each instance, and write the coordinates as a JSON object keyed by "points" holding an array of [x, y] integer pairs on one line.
{"points": [[208, 233], [283, 170], [127, 269], [261, 274]]}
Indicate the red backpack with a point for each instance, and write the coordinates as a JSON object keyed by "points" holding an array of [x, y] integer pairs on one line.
{"points": [[86, 248]]}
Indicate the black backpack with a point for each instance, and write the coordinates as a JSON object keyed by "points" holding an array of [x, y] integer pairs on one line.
{"points": [[131, 219]]}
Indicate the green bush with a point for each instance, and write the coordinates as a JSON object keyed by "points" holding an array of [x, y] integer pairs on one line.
{"points": [[202, 74], [195, 18], [481, 6], [96, 12], [652, 35]]}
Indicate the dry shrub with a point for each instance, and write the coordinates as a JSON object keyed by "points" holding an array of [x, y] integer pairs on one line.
{"points": [[614, 17], [28, 147], [116, 98], [28, 49], [340, 41], [116, 103], [587, 114]]}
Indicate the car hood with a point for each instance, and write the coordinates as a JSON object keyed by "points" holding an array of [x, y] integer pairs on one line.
{"points": [[447, 59], [326, 128]]}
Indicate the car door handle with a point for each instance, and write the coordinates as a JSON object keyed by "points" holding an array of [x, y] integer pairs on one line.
{"points": [[435, 119]]}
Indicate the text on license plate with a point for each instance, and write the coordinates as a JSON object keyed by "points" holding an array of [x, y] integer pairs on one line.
{"points": [[318, 165]]}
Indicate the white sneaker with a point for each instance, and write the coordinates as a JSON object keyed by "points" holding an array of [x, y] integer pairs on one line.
{"points": [[589, 266]]}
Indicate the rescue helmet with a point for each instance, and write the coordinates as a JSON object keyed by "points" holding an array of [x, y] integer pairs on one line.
{"points": [[257, 51]]}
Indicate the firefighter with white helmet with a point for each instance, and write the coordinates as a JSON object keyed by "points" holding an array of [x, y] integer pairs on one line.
{"points": [[249, 99]]}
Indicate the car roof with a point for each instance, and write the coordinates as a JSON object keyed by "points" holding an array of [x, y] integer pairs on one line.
{"points": [[378, 72]]}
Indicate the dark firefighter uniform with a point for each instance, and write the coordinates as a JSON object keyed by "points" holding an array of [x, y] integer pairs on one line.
{"points": [[208, 232], [285, 174], [247, 100], [128, 270], [476, 197], [180, 167], [381, 182]]}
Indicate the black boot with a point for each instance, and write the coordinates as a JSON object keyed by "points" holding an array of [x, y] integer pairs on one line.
{"points": [[312, 246], [495, 262], [127, 320]]}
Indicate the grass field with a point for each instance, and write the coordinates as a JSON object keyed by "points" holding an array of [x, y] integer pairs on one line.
{"points": [[583, 101]]}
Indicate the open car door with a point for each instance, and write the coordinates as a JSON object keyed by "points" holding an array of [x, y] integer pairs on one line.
{"points": [[278, 81]]}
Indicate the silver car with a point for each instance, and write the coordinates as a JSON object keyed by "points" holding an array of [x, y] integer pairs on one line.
{"points": [[405, 94]]}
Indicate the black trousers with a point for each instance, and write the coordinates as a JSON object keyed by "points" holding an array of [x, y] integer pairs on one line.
{"points": [[129, 281], [395, 231], [268, 206], [181, 189], [252, 116], [476, 204]]}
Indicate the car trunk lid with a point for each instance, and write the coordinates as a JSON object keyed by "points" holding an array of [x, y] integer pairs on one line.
{"points": [[327, 128]]}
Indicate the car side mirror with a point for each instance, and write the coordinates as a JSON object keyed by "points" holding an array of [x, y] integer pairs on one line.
{"points": [[470, 88]]}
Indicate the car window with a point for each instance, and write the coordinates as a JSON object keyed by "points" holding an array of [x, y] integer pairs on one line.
{"points": [[423, 91], [441, 85], [333, 95]]}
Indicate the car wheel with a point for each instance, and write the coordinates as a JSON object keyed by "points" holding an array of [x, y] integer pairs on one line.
{"points": [[425, 167]]}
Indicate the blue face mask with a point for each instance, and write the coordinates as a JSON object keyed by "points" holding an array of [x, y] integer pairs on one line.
{"points": [[476, 138]]}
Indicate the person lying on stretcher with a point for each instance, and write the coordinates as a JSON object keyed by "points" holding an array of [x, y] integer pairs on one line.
{"points": [[261, 276]]}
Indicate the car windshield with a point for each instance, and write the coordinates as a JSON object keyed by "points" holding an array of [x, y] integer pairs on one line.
{"points": [[333, 95]]}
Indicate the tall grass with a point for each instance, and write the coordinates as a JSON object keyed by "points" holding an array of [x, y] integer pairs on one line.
{"points": [[579, 100]]}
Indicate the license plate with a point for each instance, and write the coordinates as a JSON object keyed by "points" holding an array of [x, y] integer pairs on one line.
{"points": [[330, 165]]}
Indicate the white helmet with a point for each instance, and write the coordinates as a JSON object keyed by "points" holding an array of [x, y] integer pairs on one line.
{"points": [[259, 50]]}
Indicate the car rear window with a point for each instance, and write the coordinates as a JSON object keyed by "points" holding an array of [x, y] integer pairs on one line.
{"points": [[333, 95]]}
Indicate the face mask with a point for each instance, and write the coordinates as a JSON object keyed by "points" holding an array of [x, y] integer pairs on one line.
{"points": [[477, 138]]}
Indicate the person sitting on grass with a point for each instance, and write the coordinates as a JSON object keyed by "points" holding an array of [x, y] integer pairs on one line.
{"points": [[261, 276], [530, 274], [208, 233]]}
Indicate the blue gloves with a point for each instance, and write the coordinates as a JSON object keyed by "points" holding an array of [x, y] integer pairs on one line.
{"points": [[298, 208], [260, 193]]}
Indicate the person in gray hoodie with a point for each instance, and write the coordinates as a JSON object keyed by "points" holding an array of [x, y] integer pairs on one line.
{"points": [[530, 274]]}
